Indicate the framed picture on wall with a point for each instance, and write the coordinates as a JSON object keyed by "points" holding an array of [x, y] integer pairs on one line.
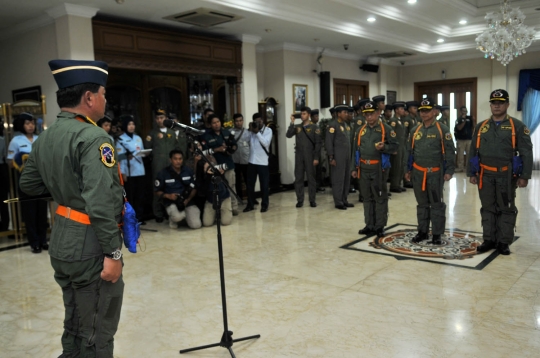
{"points": [[299, 96], [31, 93], [391, 97]]}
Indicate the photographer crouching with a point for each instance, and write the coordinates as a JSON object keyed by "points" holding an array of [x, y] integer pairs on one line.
{"points": [[175, 188]]}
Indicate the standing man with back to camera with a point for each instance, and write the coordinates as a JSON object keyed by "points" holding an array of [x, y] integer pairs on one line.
{"points": [[501, 161], [74, 161], [307, 150]]}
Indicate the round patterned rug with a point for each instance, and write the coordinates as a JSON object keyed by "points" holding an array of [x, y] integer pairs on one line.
{"points": [[455, 245]]}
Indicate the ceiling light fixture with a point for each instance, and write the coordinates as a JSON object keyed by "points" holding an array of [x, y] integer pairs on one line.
{"points": [[463, 22], [371, 19], [440, 41], [506, 36], [411, 1]]}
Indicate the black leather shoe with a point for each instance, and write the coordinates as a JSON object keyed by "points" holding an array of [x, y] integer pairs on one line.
{"points": [[436, 240], [486, 246], [313, 204], [248, 208], [503, 249], [159, 220], [403, 189], [349, 205], [395, 190], [341, 207], [360, 199], [264, 209], [299, 204], [256, 202], [380, 232], [45, 246], [320, 190], [366, 231], [36, 250], [421, 236], [352, 190], [389, 194], [408, 185]]}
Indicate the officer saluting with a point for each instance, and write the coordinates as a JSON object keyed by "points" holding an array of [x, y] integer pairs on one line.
{"points": [[307, 152], [432, 162], [497, 169], [338, 147], [375, 142], [74, 161]]}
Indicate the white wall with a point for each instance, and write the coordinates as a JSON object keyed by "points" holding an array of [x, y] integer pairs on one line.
{"points": [[250, 95], [24, 64]]}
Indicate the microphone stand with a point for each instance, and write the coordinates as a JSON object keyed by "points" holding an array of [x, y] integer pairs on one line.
{"points": [[226, 338]]}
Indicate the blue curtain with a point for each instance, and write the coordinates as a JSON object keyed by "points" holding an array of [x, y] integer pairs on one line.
{"points": [[527, 79], [531, 109]]}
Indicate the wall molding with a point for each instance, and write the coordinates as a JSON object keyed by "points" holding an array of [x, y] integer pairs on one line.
{"points": [[71, 9]]}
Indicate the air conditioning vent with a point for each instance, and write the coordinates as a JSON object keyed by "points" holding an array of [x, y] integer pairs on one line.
{"points": [[203, 17], [394, 54]]}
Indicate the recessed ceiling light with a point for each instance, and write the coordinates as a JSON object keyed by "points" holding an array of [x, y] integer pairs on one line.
{"points": [[463, 22], [440, 41], [411, 1], [371, 19]]}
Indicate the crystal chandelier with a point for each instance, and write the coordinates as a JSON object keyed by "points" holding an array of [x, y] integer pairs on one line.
{"points": [[506, 36]]}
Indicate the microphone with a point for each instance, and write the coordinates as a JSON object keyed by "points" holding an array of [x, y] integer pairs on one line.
{"points": [[169, 123]]}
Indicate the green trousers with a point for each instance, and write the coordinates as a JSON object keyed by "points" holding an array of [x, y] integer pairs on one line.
{"points": [[92, 308], [498, 212], [431, 206], [374, 190]]}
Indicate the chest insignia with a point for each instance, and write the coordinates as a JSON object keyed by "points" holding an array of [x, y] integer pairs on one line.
{"points": [[418, 136], [317, 131], [148, 138], [485, 128], [406, 124], [506, 128], [169, 135], [393, 124], [160, 135], [364, 131], [359, 122], [331, 130], [431, 136], [342, 129], [298, 130]]}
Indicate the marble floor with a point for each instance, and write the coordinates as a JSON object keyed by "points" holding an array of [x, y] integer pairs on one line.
{"points": [[288, 280]]}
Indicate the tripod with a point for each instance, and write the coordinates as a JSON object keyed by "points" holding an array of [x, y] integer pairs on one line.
{"points": [[226, 339]]}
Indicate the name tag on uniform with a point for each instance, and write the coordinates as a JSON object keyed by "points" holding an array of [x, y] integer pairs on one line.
{"points": [[431, 136], [211, 140], [24, 145], [169, 181], [506, 128], [186, 178]]}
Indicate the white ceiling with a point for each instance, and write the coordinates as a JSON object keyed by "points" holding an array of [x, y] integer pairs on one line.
{"points": [[310, 25]]}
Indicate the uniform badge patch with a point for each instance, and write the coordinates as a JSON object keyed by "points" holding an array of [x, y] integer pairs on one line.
{"points": [[317, 131], [526, 131], [169, 135], [359, 122], [418, 136], [298, 130], [160, 135], [331, 130], [107, 155], [393, 124], [485, 128], [448, 136], [393, 134], [406, 124], [364, 131], [148, 138], [342, 129]]}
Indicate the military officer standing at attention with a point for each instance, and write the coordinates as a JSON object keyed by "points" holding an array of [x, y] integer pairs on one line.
{"points": [[409, 122], [181, 137], [338, 148], [322, 159], [431, 160], [379, 103], [306, 159], [161, 140], [397, 170], [74, 161], [376, 141], [387, 114], [358, 122], [413, 117], [498, 169], [445, 116]]}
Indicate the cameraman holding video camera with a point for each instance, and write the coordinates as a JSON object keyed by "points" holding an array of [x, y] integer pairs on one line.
{"points": [[175, 188], [222, 145]]}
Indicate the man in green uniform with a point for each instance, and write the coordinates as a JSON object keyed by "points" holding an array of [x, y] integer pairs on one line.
{"points": [[432, 162], [161, 140], [409, 122], [322, 158], [358, 122], [445, 116], [306, 158], [371, 159], [379, 102], [498, 170], [181, 137], [338, 148], [397, 170], [387, 114], [74, 162]]}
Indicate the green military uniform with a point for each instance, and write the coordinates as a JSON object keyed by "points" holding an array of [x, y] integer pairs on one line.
{"points": [[371, 174], [182, 143], [74, 162], [408, 124], [338, 147], [444, 120], [497, 189], [396, 172], [428, 174], [161, 144], [307, 149]]}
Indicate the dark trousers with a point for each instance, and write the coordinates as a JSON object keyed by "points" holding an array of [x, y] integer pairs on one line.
{"points": [[375, 192], [4, 192], [34, 215], [241, 176], [431, 206], [263, 172], [135, 194], [92, 308]]}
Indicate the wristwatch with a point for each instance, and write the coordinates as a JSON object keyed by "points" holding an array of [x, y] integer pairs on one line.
{"points": [[115, 255]]}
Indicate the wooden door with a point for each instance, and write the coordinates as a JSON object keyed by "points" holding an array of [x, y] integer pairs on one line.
{"points": [[349, 91]]}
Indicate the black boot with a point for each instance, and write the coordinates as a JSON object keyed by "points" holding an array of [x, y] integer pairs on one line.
{"points": [[486, 246], [436, 240], [366, 231], [503, 249], [380, 232], [421, 236]]}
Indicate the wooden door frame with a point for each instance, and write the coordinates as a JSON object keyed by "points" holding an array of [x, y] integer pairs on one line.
{"points": [[343, 81]]}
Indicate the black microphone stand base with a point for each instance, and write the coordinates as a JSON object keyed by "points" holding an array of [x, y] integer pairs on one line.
{"points": [[226, 342]]}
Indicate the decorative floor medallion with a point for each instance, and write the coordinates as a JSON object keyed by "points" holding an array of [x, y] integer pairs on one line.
{"points": [[458, 247]]}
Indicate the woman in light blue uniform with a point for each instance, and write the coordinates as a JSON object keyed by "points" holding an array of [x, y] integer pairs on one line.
{"points": [[34, 212], [128, 146]]}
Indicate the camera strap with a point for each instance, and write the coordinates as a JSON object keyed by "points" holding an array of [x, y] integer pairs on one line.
{"points": [[308, 137], [262, 145], [240, 136]]}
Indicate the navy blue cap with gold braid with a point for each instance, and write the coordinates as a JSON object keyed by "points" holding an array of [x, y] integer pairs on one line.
{"points": [[427, 103], [369, 107], [69, 73]]}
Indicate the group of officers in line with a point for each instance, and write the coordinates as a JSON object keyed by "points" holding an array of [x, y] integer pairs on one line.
{"points": [[418, 150]]}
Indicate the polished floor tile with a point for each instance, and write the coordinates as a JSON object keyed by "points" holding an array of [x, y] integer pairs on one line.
{"points": [[289, 280]]}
